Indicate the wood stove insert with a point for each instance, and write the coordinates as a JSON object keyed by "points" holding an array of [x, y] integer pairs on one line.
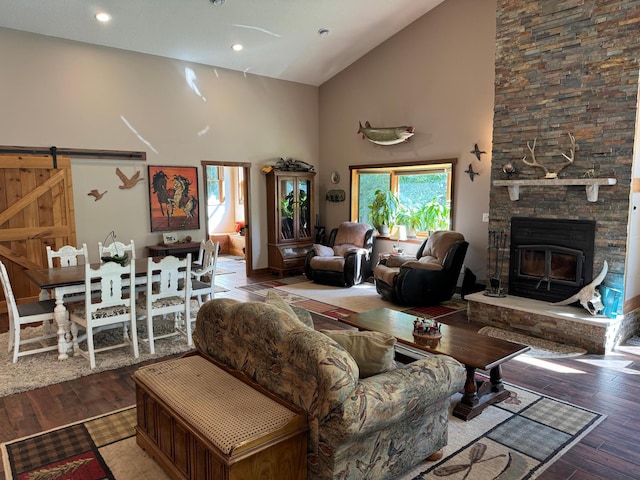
{"points": [[550, 259]]}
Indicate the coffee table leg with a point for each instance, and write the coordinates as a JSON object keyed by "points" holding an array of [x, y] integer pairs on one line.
{"points": [[470, 396], [495, 376], [479, 394]]}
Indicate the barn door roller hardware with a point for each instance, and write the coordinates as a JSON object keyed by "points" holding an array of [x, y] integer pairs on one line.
{"points": [[75, 153]]}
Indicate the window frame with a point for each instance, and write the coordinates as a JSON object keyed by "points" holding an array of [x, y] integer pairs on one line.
{"points": [[210, 181], [396, 169]]}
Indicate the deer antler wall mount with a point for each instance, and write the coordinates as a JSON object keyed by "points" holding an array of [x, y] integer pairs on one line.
{"points": [[547, 172]]}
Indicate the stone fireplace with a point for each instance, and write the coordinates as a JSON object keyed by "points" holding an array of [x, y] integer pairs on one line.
{"points": [[555, 82]]}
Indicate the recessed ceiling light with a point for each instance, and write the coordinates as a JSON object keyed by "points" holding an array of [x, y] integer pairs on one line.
{"points": [[217, 3], [237, 47], [102, 16], [323, 32]]}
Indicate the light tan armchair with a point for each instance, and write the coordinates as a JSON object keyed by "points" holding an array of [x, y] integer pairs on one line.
{"points": [[346, 261], [426, 279]]}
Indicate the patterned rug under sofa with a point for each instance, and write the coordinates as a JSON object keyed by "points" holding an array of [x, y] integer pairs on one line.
{"points": [[516, 439]]}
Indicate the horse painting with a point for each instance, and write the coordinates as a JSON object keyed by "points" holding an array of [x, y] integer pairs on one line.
{"points": [[173, 192]]}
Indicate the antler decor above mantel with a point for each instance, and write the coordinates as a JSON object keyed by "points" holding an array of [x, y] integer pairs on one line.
{"points": [[591, 184], [547, 173]]}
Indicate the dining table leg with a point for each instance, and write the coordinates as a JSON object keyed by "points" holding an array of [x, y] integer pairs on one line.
{"points": [[64, 331]]}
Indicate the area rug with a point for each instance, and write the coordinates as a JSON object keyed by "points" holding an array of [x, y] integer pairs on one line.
{"points": [[540, 348], [516, 439], [340, 302], [44, 369]]}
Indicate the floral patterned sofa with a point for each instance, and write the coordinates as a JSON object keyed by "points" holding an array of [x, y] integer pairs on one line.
{"points": [[375, 427]]}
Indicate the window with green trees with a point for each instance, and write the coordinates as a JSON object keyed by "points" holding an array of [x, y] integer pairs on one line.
{"points": [[424, 192]]}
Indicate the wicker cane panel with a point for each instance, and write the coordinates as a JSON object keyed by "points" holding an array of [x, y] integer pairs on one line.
{"points": [[223, 408]]}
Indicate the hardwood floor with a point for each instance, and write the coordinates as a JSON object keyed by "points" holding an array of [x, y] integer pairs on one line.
{"points": [[608, 384]]}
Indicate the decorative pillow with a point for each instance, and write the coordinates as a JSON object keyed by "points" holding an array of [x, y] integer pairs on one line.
{"points": [[303, 315], [299, 313], [372, 351], [322, 250]]}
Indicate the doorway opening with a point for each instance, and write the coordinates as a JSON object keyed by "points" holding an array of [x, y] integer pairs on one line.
{"points": [[227, 187]]}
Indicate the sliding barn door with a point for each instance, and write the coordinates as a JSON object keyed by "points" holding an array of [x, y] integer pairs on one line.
{"points": [[36, 209]]}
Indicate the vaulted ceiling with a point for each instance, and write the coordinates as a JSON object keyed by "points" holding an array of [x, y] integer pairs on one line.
{"points": [[281, 38]]}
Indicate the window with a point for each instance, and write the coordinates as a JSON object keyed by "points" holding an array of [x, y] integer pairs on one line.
{"points": [[215, 184], [424, 193], [240, 186]]}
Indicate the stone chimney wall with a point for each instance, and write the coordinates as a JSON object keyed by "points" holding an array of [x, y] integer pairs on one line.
{"points": [[568, 66]]}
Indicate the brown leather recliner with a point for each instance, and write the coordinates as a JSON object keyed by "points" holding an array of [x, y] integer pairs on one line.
{"points": [[346, 260], [429, 278]]}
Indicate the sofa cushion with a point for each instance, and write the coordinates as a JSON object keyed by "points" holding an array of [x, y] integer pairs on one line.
{"points": [[332, 264], [295, 312], [373, 351], [425, 263], [385, 273]]}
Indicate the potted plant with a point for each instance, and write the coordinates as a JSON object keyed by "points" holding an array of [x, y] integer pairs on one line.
{"points": [[435, 216], [411, 217], [383, 210]]}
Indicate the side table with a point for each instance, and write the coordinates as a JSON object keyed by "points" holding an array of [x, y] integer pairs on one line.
{"points": [[178, 249]]}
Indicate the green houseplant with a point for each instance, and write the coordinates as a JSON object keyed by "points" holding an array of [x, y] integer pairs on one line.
{"points": [[429, 217], [383, 210], [435, 216], [409, 216]]}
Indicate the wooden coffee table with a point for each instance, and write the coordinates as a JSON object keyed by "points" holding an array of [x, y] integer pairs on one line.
{"points": [[475, 351]]}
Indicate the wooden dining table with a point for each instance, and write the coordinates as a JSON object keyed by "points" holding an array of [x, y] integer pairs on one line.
{"points": [[64, 282]]}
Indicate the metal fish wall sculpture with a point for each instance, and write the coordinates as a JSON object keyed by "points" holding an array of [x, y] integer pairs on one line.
{"points": [[386, 135]]}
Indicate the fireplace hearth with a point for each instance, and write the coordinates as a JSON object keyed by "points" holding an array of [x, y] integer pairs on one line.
{"points": [[550, 259]]}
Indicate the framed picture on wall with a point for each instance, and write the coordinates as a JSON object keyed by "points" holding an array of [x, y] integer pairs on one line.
{"points": [[169, 238], [173, 198]]}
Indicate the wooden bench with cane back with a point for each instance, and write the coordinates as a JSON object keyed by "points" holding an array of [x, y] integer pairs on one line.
{"points": [[200, 421]]}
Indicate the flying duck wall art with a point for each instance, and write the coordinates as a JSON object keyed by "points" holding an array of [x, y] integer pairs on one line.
{"points": [[386, 135]]}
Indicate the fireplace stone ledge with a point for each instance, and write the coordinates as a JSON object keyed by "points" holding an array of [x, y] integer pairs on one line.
{"points": [[571, 325]]}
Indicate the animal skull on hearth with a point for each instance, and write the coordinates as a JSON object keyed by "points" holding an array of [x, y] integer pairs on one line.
{"points": [[589, 297]]}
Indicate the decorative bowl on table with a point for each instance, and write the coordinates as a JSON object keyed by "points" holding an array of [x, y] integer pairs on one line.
{"points": [[426, 331]]}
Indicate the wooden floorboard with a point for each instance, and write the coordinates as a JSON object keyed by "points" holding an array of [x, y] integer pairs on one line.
{"points": [[610, 452]]}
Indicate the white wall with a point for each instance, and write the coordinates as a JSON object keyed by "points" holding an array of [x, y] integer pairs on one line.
{"points": [[632, 267], [437, 75], [73, 95]]}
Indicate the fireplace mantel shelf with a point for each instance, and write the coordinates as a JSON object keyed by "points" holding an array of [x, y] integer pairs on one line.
{"points": [[591, 185]]}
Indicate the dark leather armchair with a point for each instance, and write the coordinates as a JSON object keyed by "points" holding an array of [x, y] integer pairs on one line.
{"points": [[345, 260], [429, 278]]}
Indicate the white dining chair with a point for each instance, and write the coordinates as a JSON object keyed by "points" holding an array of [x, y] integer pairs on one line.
{"points": [[169, 295], [198, 261], [109, 305], [67, 256], [118, 249], [26, 314], [203, 277]]}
